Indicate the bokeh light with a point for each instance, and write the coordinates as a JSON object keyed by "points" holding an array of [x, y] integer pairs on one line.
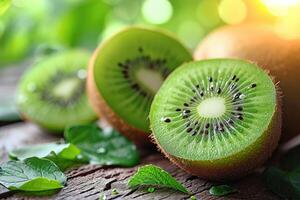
{"points": [[232, 11], [280, 7], [157, 11]]}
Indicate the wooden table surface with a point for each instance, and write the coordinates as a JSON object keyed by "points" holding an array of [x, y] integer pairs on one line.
{"points": [[90, 181]]}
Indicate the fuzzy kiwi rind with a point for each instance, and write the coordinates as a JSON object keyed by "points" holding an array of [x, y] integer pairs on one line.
{"points": [[261, 44], [231, 166], [104, 107], [52, 113]]}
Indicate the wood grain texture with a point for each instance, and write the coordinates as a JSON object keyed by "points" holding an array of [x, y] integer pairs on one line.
{"points": [[90, 181]]}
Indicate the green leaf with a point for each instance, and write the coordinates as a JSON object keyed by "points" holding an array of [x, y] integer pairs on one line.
{"points": [[4, 5], [193, 198], [63, 155], [31, 175], [221, 190], [102, 196], [284, 184], [151, 189], [114, 191], [103, 147], [155, 176]]}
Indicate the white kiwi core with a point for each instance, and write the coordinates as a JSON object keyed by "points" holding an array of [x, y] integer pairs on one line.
{"points": [[66, 88], [212, 107], [150, 79]]}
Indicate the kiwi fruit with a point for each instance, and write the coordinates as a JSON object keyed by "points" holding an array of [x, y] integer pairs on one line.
{"points": [[217, 119], [53, 92], [261, 44], [125, 73]]}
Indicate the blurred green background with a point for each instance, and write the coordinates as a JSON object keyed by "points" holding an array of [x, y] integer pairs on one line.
{"points": [[32, 28]]}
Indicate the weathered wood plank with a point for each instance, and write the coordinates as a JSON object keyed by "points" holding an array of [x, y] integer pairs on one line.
{"points": [[89, 181]]}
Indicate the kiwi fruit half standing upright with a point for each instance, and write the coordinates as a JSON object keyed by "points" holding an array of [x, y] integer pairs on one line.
{"points": [[125, 73], [217, 119], [53, 92], [263, 45]]}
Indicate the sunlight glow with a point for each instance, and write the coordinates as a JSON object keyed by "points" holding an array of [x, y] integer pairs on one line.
{"points": [[288, 26], [280, 7]]}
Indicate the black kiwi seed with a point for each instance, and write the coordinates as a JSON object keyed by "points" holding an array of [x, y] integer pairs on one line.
{"points": [[186, 111], [240, 117], [185, 104], [236, 80], [239, 108], [167, 120], [189, 130], [237, 95], [207, 125], [178, 109], [210, 79], [253, 85], [184, 116], [231, 87], [219, 91], [197, 86], [233, 77]]}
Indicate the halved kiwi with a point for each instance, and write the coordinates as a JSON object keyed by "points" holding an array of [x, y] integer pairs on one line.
{"points": [[217, 119], [125, 73], [52, 93]]}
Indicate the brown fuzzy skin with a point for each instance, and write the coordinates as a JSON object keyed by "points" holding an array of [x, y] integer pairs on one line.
{"points": [[260, 44], [105, 112], [239, 168]]}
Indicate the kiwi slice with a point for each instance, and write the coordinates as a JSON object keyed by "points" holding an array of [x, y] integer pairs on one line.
{"points": [[217, 119], [52, 93], [125, 74]]}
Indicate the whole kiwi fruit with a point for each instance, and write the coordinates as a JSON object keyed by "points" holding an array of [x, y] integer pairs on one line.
{"points": [[126, 71], [217, 119], [262, 45]]}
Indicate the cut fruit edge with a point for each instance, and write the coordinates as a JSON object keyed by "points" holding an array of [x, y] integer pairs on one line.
{"points": [[237, 168]]}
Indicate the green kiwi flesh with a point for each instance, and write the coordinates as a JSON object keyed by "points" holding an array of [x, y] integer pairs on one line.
{"points": [[217, 119], [130, 67], [52, 93]]}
